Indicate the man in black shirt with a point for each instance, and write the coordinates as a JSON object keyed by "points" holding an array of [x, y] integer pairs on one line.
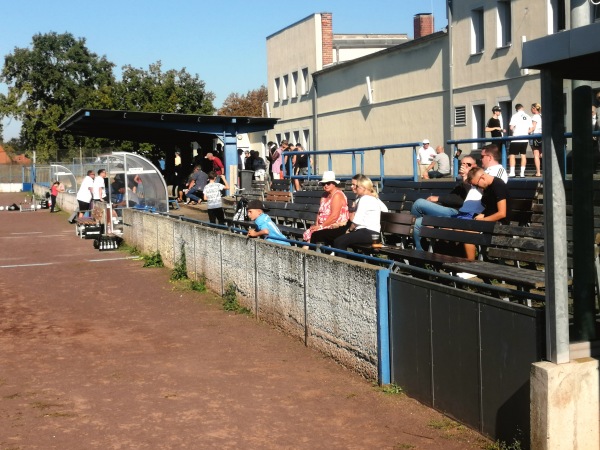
{"points": [[494, 125], [495, 200]]}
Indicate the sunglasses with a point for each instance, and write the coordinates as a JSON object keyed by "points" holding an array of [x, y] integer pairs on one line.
{"points": [[328, 183], [467, 164]]}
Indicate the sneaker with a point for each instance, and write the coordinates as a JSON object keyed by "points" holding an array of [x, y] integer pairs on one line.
{"points": [[522, 176], [511, 175], [466, 275], [187, 202]]}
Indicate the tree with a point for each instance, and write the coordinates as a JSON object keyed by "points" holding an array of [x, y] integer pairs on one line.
{"points": [[157, 91], [173, 91], [250, 104], [50, 81]]}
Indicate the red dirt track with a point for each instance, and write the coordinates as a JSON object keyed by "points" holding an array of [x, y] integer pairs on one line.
{"points": [[98, 352]]}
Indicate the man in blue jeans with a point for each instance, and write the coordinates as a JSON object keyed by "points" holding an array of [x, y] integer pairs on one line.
{"points": [[464, 199]]}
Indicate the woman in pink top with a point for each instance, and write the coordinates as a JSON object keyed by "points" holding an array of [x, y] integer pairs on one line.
{"points": [[332, 217]]}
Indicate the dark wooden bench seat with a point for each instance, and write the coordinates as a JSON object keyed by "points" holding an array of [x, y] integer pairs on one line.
{"points": [[487, 271]]}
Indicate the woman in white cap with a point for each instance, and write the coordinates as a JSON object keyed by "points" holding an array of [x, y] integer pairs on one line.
{"points": [[333, 213]]}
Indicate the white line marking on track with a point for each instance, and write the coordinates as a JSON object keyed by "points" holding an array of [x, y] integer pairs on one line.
{"points": [[30, 232], [25, 265], [113, 259]]}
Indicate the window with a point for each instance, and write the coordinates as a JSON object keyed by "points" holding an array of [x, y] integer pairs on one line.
{"points": [[596, 12], [506, 107], [294, 84], [297, 137], [276, 90], [478, 122], [504, 24], [304, 86], [477, 31], [460, 116], [284, 88], [306, 140], [557, 20]]}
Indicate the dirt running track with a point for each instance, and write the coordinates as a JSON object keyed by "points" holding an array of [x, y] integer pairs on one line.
{"points": [[98, 352]]}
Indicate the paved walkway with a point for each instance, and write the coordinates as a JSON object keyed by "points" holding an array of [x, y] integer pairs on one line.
{"points": [[98, 352]]}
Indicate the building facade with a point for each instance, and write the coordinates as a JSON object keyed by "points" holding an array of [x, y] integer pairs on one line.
{"points": [[440, 85]]}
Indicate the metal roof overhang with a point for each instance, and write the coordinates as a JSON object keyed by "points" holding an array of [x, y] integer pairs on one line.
{"points": [[156, 127], [572, 54]]}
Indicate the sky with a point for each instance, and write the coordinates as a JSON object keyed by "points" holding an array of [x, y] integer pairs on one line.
{"points": [[223, 42]]}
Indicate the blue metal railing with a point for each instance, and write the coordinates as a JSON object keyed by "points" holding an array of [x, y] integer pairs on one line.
{"points": [[357, 161]]}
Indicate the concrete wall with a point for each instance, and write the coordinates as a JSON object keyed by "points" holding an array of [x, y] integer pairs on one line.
{"points": [[284, 286], [11, 187]]}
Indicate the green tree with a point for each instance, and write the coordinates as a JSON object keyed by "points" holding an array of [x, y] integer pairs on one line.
{"points": [[50, 81], [173, 91], [157, 91], [250, 104]]}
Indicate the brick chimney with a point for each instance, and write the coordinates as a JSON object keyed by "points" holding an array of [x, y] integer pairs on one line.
{"points": [[327, 33], [423, 24]]}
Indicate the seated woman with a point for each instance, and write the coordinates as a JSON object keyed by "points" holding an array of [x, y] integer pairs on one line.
{"points": [[366, 221], [333, 213]]}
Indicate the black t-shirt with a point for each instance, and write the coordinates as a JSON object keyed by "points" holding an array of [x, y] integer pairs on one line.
{"points": [[494, 123], [492, 195]]}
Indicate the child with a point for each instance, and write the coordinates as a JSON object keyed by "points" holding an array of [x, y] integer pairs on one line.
{"points": [[212, 195], [264, 224]]}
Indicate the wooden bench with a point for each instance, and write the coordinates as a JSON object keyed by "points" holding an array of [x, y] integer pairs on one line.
{"points": [[278, 196]]}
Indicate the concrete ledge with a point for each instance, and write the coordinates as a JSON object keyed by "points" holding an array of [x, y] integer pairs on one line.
{"points": [[564, 405]]}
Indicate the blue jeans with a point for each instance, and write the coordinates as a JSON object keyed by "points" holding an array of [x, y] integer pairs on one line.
{"points": [[192, 194], [424, 207]]}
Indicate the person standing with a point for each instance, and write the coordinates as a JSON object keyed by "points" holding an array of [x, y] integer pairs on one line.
{"points": [[84, 194], [99, 191], [519, 126], [536, 128], [54, 190], [212, 195], [217, 164], [494, 125], [278, 161], [425, 155]]}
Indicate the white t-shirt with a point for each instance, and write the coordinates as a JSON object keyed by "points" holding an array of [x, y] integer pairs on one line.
{"points": [[368, 213], [443, 163], [84, 194], [520, 124], [497, 171], [98, 185], [537, 118], [425, 155]]}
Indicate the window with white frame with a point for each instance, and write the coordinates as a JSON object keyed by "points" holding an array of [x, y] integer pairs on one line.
{"points": [[478, 121], [294, 85], [460, 116], [304, 86], [504, 30], [557, 19], [284, 87], [276, 87], [306, 139], [477, 31]]}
